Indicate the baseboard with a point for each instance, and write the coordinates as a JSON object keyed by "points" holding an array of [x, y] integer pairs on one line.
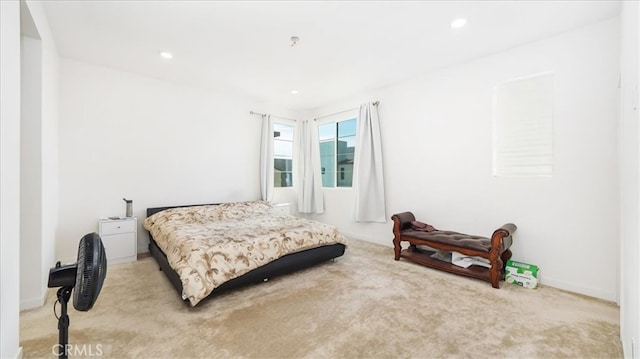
{"points": [[19, 355], [590, 292], [629, 348], [360, 238], [33, 302]]}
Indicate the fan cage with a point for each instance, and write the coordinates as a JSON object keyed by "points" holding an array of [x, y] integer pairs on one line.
{"points": [[92, 267]]}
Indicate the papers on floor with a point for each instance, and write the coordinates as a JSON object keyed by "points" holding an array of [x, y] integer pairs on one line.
{"points": [[444, 256], [464, 261], [458, 259]]}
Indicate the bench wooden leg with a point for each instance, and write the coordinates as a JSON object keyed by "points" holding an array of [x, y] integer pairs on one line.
{"points": [[497, 267], [495, 277], [506, 255], [396, 248]]}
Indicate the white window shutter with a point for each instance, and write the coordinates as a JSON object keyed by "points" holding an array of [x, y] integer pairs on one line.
{"points": [[523, 127]]}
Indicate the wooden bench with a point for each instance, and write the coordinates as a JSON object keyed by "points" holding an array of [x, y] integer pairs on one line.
{"points": [[494, 249]]}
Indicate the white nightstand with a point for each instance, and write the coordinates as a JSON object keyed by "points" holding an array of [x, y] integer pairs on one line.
{"points": [[120, 239], [281, 209]]}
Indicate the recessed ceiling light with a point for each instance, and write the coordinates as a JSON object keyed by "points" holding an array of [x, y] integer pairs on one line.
{"points": [[166, 55], [294, 92], [458, 23]]}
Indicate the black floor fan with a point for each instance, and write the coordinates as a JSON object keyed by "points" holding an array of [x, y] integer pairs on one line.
{"points": [[85, 277]]}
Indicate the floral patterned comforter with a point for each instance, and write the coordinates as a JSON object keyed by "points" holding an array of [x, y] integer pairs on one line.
{"points": [[209, 245]]}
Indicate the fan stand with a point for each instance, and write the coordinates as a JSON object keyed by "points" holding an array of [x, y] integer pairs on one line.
{"points": [[64, 293]]}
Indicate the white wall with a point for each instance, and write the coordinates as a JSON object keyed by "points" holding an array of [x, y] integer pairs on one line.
{"points": [[155, 142], [31, 292], [49, 145], [9, 178], [630, 180], [437, 158], [39, 182]]}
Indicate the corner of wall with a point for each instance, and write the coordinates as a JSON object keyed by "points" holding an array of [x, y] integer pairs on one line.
{"points": [[33, 302]]}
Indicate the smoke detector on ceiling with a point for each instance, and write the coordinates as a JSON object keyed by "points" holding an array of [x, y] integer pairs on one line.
{"points": [[294, 41]]}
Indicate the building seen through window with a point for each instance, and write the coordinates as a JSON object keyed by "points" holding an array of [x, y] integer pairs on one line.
{"points": [[337, 148], [282, 155]]}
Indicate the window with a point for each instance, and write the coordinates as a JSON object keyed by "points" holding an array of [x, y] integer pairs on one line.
{"points": [[337, 147], [282, 155], [523, 128]]}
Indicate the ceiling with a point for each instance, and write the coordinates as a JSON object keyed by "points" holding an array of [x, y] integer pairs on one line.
{"points": [[345, 47]]}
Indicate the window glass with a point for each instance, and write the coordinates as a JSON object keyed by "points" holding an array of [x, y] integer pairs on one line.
{"points": [[347, 128], [337, 148], [328, 162], [282, 155], [327, 131], [282, 149], [283, 132]]}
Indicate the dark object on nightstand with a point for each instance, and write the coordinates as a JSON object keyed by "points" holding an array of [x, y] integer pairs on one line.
{"points": [[129, 209]]}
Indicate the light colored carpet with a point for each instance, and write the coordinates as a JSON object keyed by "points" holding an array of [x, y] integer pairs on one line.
{"points": [[366, 305]]}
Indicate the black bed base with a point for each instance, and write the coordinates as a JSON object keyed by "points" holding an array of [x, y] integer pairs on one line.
{"points": [[283, 265]]}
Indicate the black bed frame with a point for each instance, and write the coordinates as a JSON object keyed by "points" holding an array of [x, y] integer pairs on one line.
{"points": [[283, 265]]}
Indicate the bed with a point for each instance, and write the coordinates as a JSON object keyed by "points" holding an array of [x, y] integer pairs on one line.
{"points": [[207, 249]]}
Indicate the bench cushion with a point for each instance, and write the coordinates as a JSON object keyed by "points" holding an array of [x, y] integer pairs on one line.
{"points": [[459, 240]]}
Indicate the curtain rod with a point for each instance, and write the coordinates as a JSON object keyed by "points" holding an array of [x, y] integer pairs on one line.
{"points": [[375, 103], [264, 114]]}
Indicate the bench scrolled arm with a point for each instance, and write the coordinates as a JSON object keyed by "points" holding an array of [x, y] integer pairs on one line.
{"points": [[403, 220], [502, 236], [510, 228]]}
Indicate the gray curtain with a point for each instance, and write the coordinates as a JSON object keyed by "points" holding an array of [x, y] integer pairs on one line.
{"points": [[368, 182], [307, 176], [266, 159]]}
